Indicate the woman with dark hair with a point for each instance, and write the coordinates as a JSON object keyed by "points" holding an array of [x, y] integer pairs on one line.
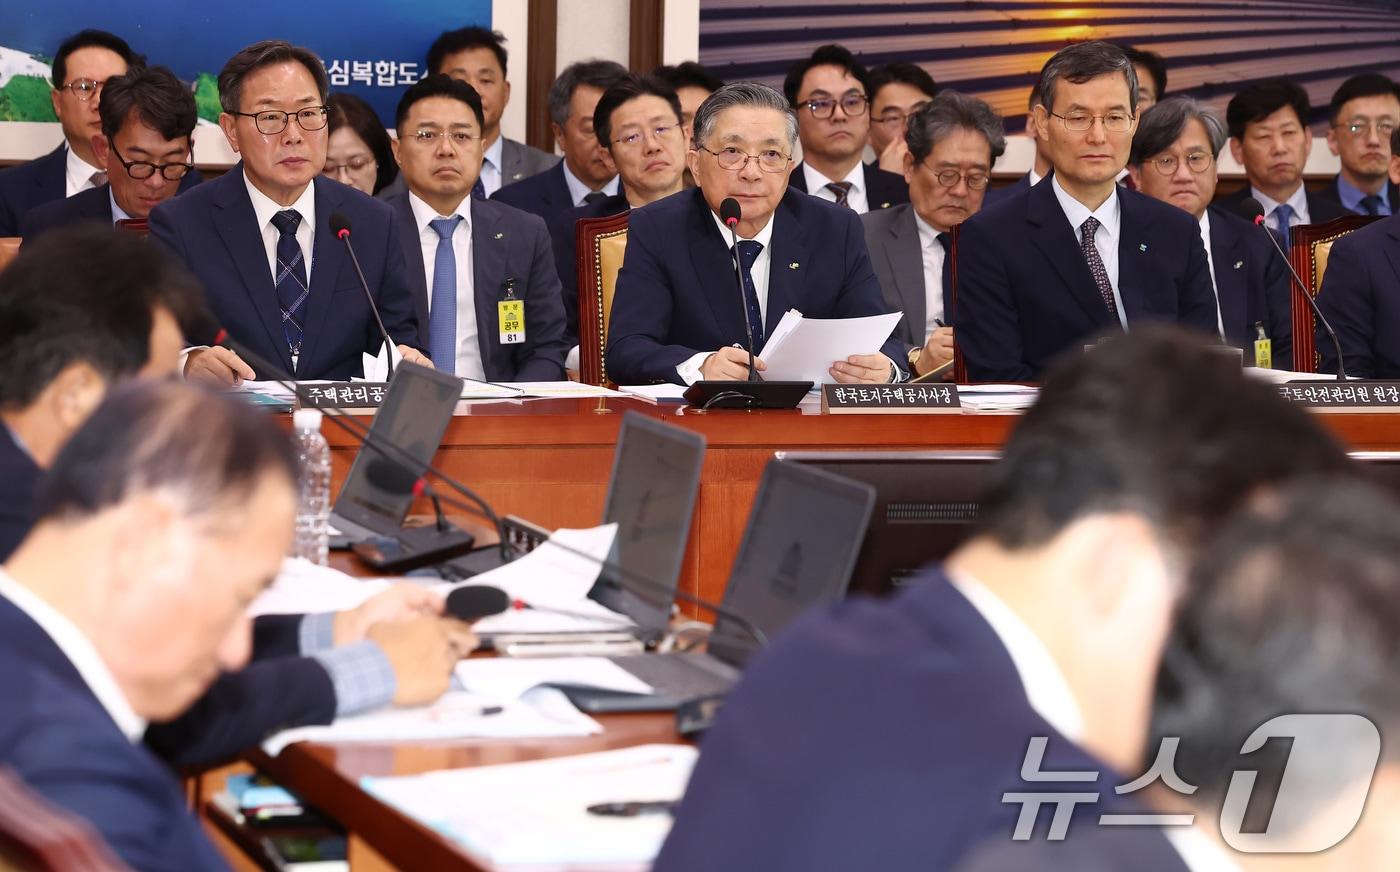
{"points": [[358, 153]]}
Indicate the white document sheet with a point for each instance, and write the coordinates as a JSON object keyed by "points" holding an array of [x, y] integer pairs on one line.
{"points": [[537, 812], [562, 389], [997, 397], [302, 587], [655, 393], [513, 677], [803, 349], [376, 367]]}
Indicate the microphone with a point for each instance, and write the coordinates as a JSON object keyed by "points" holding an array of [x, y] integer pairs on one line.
{"points": [[476, 601], [340, 226], [1256, 214], [729, 213]]}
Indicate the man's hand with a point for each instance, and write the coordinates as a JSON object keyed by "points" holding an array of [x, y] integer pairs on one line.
{"points": [[937, 351], [422, 652], [413, 355], [217, 366], [892, 158], [863, 369], [402, 602], [729, 364]]}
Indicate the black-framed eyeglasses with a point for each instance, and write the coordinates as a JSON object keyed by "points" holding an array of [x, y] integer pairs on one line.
{"points": [[144, 169], [273, 121], [632, 140], [976, 180], [1197, 162], [895, 117], [851, 104], [1113, 122], [84, 89], [730, 158]]}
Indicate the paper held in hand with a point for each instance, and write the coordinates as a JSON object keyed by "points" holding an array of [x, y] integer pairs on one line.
{"points": [[803, 349]]}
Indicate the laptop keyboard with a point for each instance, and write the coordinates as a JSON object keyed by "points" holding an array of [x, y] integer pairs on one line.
{"points": [[679, 676]]}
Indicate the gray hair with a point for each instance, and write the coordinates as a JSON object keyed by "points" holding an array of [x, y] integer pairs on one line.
{"points": [[1162, 124], [947, 113], [599, 74], [1083, 61], [742, 94]]}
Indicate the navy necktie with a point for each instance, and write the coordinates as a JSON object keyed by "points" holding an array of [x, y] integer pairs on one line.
{"points": [[748, 253], [1283, 216], [594, 197], [946, 240], [442, 316], [292, 289], [478, 189], [1371, 204]]}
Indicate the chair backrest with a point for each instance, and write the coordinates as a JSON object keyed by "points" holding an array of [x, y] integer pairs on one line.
{"points": [[600, 244], [36, 837], [959, 365], [1308, 250], [9, 247]]}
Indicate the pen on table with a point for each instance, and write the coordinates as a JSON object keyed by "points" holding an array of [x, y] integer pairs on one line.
{"points": [[634, 809]]}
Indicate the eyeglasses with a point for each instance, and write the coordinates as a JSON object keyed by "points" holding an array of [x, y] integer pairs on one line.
{"points": [[354, 165], [730, 158], [84, 89], [1113, 122], [975, 180], [142, 169], [896, 118], [1360, 129], [851, 104], [459, 138], [273, 121], [632, 140], [1196, 161]]}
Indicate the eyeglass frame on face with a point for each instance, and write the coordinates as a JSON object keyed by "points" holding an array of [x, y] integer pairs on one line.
{"points": [[1127, 124], [77, 87], [331, 169], [898, 117], [855, 97], [161, 168], [1170, 159], [632, 140], [757, 158], [958, 176], [1359, 129], [458, 138], [322, 111]]}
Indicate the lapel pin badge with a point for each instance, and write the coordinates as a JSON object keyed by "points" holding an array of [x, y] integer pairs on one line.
{"points": [[1142, 246], [794, 265], [500, 236], [1238, 264]]}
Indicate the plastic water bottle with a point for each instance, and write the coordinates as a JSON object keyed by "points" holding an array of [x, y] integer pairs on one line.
{"points": [[314, 503]]}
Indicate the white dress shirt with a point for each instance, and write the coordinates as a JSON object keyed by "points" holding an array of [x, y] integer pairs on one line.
{"points": [[1210, 266], [118, 213], [858, 198], [933, 255], [578, 190], [1298, 201], [689, 369], [1033, 177], [1110, 219], [80, 652], [468, 362], [264, 208], [78, 173], [491, 166]]}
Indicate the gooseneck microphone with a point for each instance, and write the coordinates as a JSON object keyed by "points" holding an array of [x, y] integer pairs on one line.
{"points": [[1256, 214], [473, 602], [730, 213], [340, 226]]}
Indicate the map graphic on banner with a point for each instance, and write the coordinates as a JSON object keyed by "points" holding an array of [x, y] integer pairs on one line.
{"points": [[370, 49]]}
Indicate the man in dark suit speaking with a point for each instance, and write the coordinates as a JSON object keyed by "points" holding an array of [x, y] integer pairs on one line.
{"points": [[678, 314], [259, 237], [1046, 270]]}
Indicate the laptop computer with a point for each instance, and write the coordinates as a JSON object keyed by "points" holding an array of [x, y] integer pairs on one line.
{"points": [[800, 545], [378, 492]]}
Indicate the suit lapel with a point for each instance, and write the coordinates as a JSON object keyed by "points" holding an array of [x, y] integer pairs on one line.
{"points": [[1231, 272], [903, 250], [714, 267], [1392, 250], [1059, 243], [787, 267], [798, 178], [558, 195], [328, 259], [490, 243], [512, 162], [52, 178], [1133, 261], [242, 237], [412, 245]]}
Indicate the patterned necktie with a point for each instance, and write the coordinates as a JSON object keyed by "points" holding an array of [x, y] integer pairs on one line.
{"points": [[478, 189], [594, 197], [442, 316], [99, 179], [748, 253], [1371, 204], [1283, 220], [292, 289], [1095, 261], [842, 190]]}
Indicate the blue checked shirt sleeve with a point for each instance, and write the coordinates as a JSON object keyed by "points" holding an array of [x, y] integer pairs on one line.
{"points": [[362, 677], [316, 633]]}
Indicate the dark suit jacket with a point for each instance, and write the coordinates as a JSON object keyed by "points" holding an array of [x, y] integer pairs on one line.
{"points": [[873, 734], [561, 232], [57, 737], [216, 233], [883, 189], [1360, 297], [94, 204], [506, 244], [1333, 194], [893, 238], [543, 194], [1091, 849], [40, 181], [676, 294], [19, 484], [996, 195], [518, 162], [1321, 209], [1025, 293], [1254, 287]]}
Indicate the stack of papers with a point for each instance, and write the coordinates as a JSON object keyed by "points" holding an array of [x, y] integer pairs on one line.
{"points": [[537, 812], [302, 587], [803, 349], [997, 397], [1284, 376], [562, 390], [514, 678], [656, 393]]}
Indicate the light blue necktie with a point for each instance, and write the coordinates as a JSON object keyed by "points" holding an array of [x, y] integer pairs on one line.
{"points": [[442, 316], [1283, 214]]}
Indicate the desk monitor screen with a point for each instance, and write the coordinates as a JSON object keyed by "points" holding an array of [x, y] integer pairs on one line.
{"points": [[414, 416], [655, 479], [804, 530], [926, 505]]}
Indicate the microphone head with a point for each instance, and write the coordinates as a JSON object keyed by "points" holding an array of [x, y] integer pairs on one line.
{"points": [[389, 476], [476, 601], [340, 225], [203, 329], [1255, 210], [729, 211]]}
